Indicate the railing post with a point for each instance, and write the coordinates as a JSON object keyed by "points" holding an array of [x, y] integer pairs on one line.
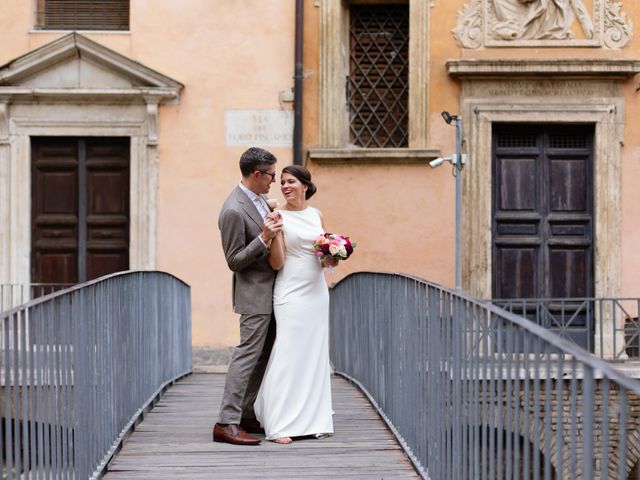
{"points": [[609, 339]]}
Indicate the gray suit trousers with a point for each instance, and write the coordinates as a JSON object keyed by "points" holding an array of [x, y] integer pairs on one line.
{"points": [[247, 367]]}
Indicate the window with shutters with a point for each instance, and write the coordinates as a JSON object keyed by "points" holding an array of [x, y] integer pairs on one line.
{"points": [[378, 82], [82, 14]]}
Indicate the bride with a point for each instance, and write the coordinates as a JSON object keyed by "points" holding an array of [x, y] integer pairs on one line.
{"points": [[295, 396]]}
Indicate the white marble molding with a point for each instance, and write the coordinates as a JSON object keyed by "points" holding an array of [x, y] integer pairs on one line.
{"points": [[74, 86]]}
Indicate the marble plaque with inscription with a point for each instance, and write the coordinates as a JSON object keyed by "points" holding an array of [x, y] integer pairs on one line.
{"points": [[261, 128]]}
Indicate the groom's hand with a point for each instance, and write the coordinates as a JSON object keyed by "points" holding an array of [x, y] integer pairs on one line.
{"points": [[329, 262], [270, 228]]}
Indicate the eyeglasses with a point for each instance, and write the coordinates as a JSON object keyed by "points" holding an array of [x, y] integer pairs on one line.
{"points": [[272, 175]]}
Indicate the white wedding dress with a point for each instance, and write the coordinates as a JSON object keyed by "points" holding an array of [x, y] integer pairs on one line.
{"points": [[295, 396]]}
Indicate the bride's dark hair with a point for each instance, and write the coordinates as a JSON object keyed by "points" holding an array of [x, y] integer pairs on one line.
{"points": [[304, 176]]}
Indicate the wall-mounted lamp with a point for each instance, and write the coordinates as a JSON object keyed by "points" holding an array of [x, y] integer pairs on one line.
{"points": [[448, 117]]}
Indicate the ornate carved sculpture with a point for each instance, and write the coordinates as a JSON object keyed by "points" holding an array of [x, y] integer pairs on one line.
{"points": [[618, 30], [468, 33], [542, 23], [539, 19]]}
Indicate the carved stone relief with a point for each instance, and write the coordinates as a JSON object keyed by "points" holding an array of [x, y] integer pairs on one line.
{"points": [[527, 23]]}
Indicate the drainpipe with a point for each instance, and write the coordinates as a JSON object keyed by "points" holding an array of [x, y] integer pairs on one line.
{"points": [[297, 86]]}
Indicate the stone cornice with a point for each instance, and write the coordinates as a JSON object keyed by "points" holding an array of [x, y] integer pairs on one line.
{"points": [[145, 94], [535, 68], [350, 156]]}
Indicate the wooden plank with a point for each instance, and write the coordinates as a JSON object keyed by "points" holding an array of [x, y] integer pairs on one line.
{"points": [[174, 441]]}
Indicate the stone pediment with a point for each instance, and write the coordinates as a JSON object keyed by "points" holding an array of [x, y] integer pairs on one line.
{"points": [[75, 65]]}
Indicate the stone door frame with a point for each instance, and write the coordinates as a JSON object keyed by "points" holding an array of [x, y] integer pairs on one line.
{"points": [[563, 91], [481, 113], [15, 177], [44, 93], [607, 116]]}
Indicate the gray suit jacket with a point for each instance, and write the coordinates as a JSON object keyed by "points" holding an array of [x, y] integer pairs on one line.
{"points": [[240, 225]]}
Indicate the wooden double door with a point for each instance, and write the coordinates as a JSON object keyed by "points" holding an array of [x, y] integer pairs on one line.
{"points": [[543, 207], [80, 208]]}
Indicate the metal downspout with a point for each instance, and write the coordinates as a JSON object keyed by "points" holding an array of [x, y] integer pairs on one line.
{"points": [[297, 88]]}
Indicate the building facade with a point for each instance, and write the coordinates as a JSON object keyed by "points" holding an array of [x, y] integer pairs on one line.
{"points": [[121, 129], [546, 95]]}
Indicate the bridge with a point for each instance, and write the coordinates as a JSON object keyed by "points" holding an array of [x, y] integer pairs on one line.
{"points": [[96, 382], [174, 441]]}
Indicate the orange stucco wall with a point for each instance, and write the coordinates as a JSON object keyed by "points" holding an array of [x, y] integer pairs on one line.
{"points": [[229, 55], [407, 221], [234, 54]]}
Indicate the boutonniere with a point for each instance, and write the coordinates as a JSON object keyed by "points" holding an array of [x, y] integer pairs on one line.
{"points": [[272, 203]]}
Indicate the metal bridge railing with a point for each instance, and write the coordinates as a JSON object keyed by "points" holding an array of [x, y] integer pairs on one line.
{"points": [[608, 327], [475, 392], [14, 294], [79, 367]]}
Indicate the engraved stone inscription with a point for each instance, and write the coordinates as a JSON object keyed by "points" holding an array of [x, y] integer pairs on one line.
{"points": [[539, 88], [266, 128]]}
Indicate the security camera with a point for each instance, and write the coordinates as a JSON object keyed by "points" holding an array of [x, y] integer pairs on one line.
{"points": [[437, 162], [453, 159]]}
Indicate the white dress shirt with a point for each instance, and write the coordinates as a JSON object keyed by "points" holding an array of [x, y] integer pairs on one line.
{"points": [[260, 204], [258, 201]]}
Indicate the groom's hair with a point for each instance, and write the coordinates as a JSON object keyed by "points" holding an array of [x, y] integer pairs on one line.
{"points": [[254, 159]]}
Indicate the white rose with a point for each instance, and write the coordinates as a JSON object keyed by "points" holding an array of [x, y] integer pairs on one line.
{"points": [[343, 251], [334, 249]]}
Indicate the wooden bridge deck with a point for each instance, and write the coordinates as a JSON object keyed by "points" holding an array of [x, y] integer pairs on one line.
{"points": [[174, 441]]}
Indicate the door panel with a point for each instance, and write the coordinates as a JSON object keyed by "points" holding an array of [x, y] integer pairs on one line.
{"points": [[568, 273], [54, 232], [107, 207], [517, 175], [80, 208], [568, 189], [543, 216], [519, 265], [542, 205]]}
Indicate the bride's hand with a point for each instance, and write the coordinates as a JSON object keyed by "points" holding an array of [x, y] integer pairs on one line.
{"points": [[275, 216], [329, 262]]}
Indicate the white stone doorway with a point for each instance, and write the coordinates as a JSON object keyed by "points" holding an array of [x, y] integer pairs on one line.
{"points": [[74, 87]]}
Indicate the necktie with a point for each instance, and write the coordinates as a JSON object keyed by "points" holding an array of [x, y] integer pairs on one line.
{"points": [[263, 208]]}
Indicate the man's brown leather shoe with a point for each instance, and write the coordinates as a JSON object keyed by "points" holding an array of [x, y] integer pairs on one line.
{"points": [[251, 425], [233, 434]]}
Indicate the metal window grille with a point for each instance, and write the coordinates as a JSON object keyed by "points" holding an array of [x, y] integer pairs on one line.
{"points": [[516, 140], [568, 141], [82, 14], [378, 84]]}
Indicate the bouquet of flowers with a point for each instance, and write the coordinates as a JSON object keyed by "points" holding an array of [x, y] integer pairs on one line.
{"points": [[333, 245]]}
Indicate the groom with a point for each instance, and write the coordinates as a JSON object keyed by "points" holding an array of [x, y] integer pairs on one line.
{"points": [[246, 233]]}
